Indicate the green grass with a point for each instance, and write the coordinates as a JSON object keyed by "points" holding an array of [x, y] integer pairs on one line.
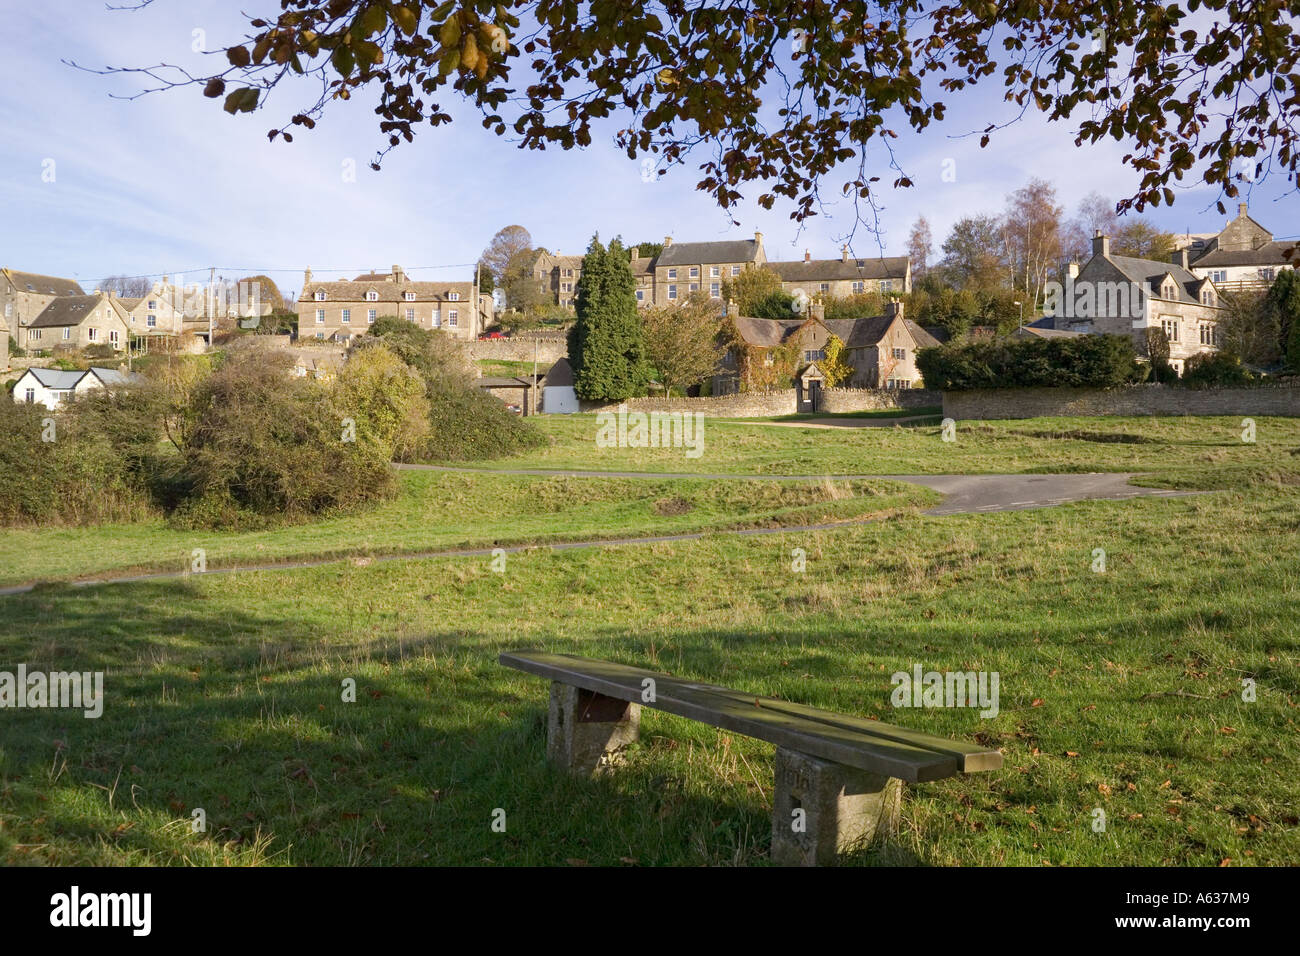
{"points": [[509, 368], [1120, 690], [443, 511], [928, 411]]}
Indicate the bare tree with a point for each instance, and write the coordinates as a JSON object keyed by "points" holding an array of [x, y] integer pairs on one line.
{"points": [[1032, 227], [1095, 214], [920, 243], [503, 248], [128, 287]]}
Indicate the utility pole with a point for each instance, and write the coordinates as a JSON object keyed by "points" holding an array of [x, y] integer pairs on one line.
{"points": [[533, 390], [212, 279], [478, 299]]}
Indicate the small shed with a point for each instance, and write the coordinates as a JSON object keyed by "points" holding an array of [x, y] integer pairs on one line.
{"points": [[558, 395]]}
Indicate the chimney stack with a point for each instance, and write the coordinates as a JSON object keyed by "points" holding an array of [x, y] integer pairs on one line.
{"points": [[758, 238], [1180, 258], [807, 256], [844, 252], [668, 241], [1101, 245], [817, 310], [398, 276], [634, 253], [894, 309], [306, 276], [1072, 270], [1241, 210]]}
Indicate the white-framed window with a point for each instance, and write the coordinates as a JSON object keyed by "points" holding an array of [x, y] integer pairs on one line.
{"points": [[320, 335], [826, 287], [453, 296], [672, 273], [370, 316], [715, 290], [347, 316], [695, 272], [151, 321], [92, 335], [1219, 275], [453, 318], [900, 353], [887, 285], [67, 334], [1168, 291], [672, 292], [410, 315], [320, 316], [1268, 273], [320, 295], [409, 296], [715, 272], [152, 305], [1170, 327], [112, 336], [735, 271], [437, 318], [31, 395], [858, 288], [1207, 297]]}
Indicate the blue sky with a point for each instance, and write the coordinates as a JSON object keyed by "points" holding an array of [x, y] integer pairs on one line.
{"points": [[169, 183]]}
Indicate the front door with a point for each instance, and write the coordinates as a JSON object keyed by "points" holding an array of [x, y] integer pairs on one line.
{"points": [[814, 395]]}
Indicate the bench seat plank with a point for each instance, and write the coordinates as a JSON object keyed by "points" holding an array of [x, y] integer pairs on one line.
{"points": [[867, 745]]}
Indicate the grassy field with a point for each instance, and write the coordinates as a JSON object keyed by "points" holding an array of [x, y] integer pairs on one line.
{"points": [[1121, 691], [510, 368]]}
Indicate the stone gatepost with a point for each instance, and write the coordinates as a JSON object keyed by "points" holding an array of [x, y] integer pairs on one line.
{"points": [[587, 731], [843, 808]]}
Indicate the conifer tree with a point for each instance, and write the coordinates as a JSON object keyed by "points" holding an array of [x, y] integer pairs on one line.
{"points": [[606, 347]]}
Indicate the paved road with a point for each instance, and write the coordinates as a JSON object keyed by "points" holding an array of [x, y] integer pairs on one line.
{"points": [[964, 494]]}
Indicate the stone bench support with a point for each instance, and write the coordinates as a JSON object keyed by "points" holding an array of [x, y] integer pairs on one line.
{"points": [[586, 731]]}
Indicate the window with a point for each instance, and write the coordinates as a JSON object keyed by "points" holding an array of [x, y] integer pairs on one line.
{"points": [[887, 285], [672, 292], [320, 295], [34, 334], [9, 310], [898, 383], [347, 316], [112, 336], [735, 271], [826, 287], [814, 355], [900, 354], [1171, 328], [640, 295], [1207, 297], [455, 296], [452, 318], [408, 296], [151, 321], [672, 273], [31, 395], [437, 318], [320, 316], [715, 290], [370, 316], [1208, 336], [714, 272], [858, 288], [695, 287], [67, 334], [695, 272], [320, 335], [566, 287], [372, 296], [1219, 275], [152, 305], [1267, 274], [410, 315], [568, 273], [92, 335]]}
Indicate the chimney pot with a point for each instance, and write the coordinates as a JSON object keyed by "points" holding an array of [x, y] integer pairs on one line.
{"points": [[807, 256], [668, 241], [844, 252], [1241, 210]]}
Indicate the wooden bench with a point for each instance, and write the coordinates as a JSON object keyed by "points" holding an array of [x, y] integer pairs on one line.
{"points": [[838, 779]]}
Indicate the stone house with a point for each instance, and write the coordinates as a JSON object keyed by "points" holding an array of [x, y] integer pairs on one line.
{"points": [[881, 350], [558, 277], [1123, 295], [844, 276], [1243, 257], [686, 267], [24, 295], [161, 312], [340, 311], [78, 321]]}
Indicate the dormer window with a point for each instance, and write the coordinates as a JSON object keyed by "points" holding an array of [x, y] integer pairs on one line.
{"points": [[453, 296], [409, 296], [320, 295], [372, 296]]}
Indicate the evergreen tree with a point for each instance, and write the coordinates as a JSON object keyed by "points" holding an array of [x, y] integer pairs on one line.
{"points": [[606, 346]]}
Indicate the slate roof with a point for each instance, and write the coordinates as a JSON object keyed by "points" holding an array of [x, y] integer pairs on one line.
{"points": [[766, 333], [1269, 254], [1047, 333], [854, 333], [561, 373], [44, 285], [57, 378], [700, 253], [68, 310], [1149, 272], [828, 270], [388, 291]]}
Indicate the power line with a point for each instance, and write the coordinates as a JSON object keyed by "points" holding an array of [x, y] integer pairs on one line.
{"points": [[257, 271]]}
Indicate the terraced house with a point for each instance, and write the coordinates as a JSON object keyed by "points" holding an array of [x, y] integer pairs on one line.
{"points": [[845, 276], [558, 276], [339, 311], [686, 267]]}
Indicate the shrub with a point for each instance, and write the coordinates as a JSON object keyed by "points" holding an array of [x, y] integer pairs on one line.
{"points": [[1090, 361], [1215, 370], [385, 398], [464, 422]]}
